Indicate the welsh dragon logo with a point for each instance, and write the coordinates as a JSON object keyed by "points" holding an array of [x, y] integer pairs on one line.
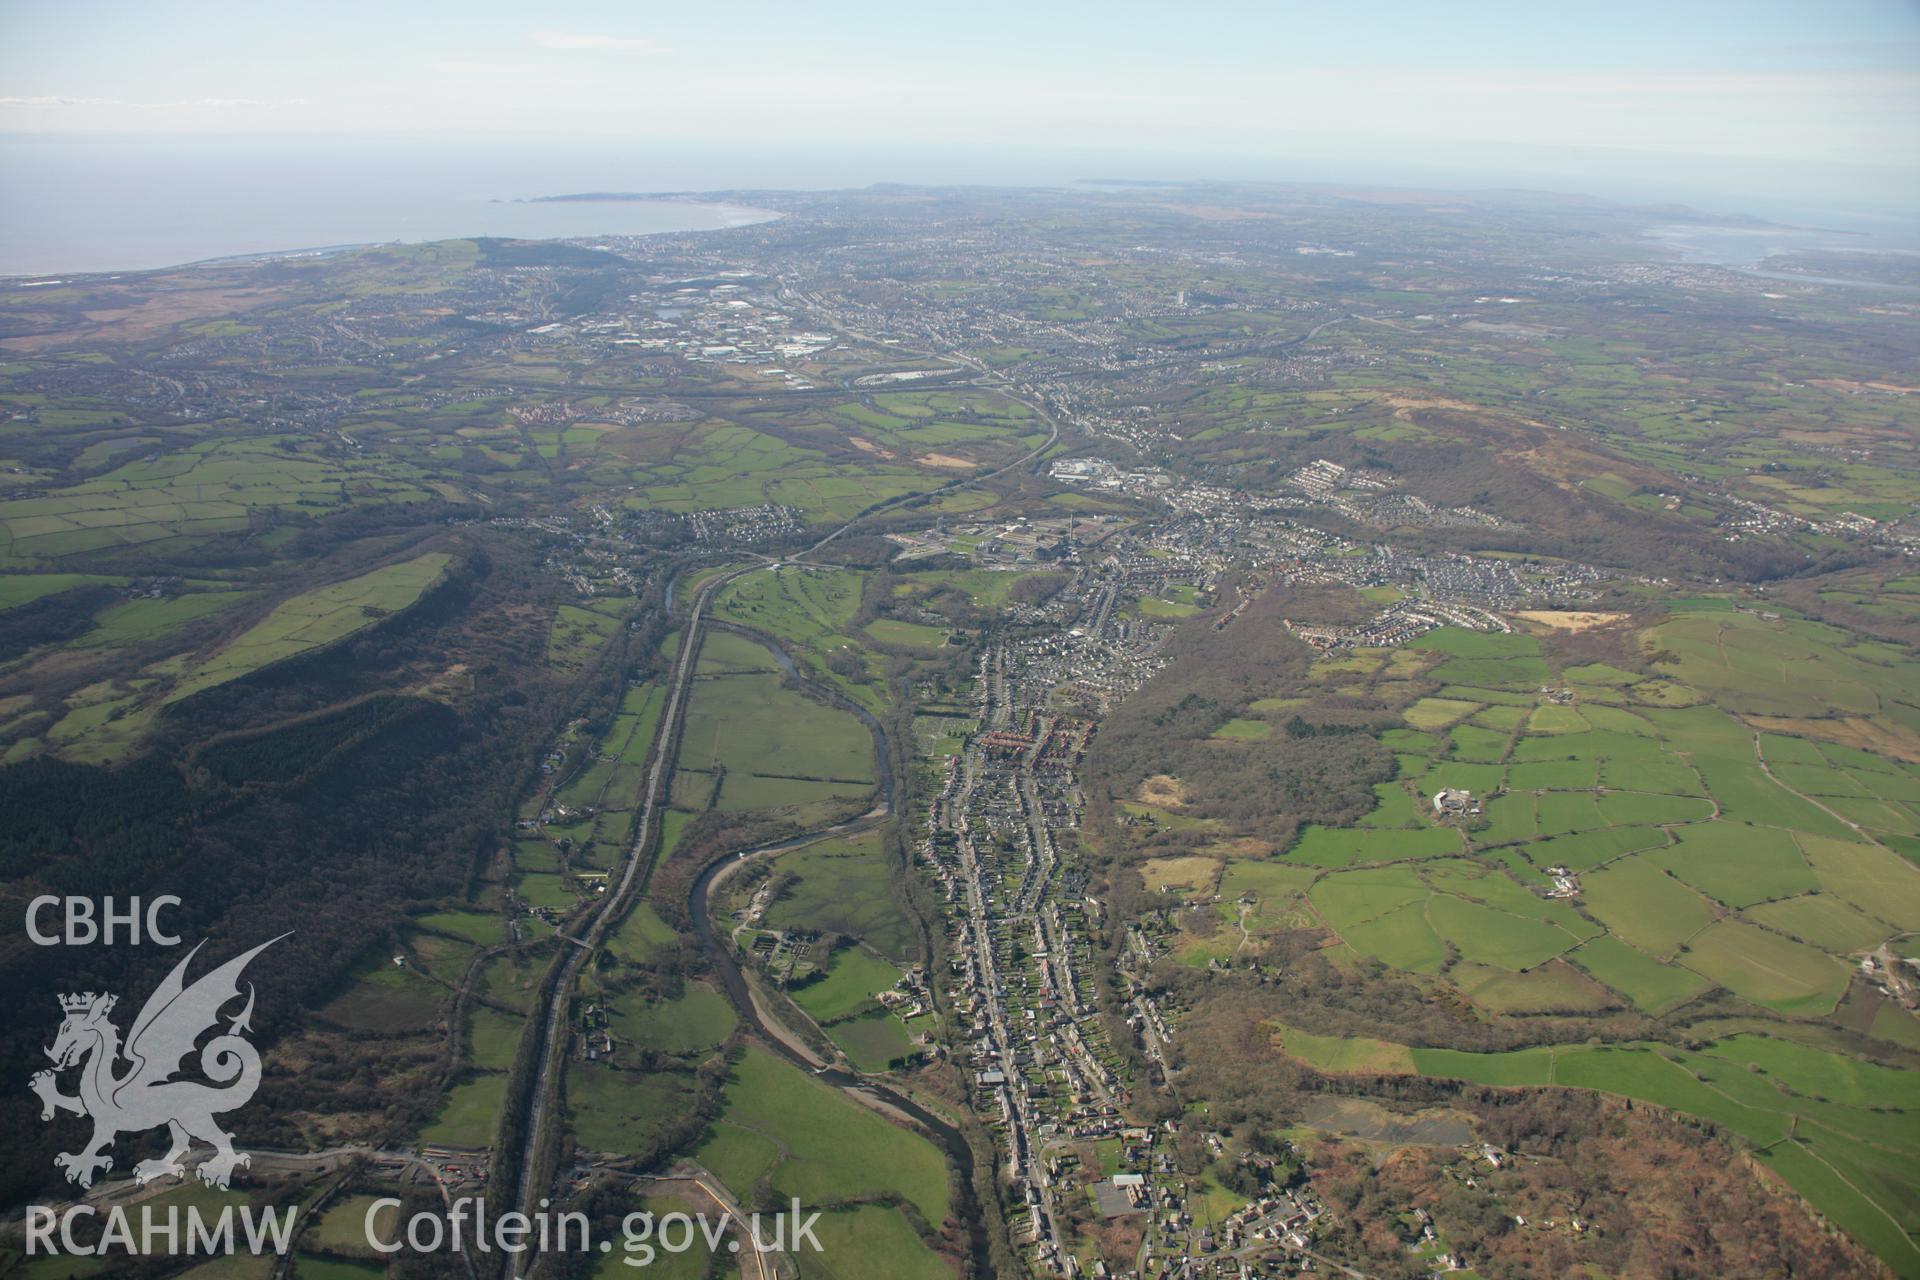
{"points": [[144, 1095]]}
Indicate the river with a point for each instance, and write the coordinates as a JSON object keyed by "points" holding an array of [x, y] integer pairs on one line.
{"points": [[720, 953]]}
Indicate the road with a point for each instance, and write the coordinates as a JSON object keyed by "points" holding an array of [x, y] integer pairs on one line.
{"points": [[868, 1091], [555, 993], [554, 1001]]}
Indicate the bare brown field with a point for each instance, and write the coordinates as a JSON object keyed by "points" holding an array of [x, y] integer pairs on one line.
{"points": [[154, 315], [1243, 847], [1191, 872], [1162, 791], [1846, 384], [1854, 731], [1219, 213], [1570, 620]]}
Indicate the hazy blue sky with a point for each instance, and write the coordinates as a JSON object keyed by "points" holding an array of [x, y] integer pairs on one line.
{"points": [[1825, 80]]}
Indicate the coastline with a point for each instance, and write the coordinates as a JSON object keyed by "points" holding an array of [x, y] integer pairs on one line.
{"points": [[707, 216]]}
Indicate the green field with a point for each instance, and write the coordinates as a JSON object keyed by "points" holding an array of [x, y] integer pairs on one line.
{"points": [[1414, 916], [1823, 920], [493, 1038], [343, 1227], [872, 1242], [1155, 607], [577, 635], [623, 1111], [471, 1112], [25, 588], [1780, 667], [1395, 808], [1340, 847], [698, 1019], [641, 935], [1244, 731], [843, 885], [217, 487], [1653, 987], [1766, 968], [139, 621], [800, 606], [1708, 877], [313, 619], [767, 744], [906, 635], [1738, 865], [871, 1041], [816, 1145], [1640, 904], [386, 999], [1435, 713], [814, 613], [851, 981]]}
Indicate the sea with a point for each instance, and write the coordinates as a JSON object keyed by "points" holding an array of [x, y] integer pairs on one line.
{"points": [[1749, 246], [70, 206], [106, 203]]}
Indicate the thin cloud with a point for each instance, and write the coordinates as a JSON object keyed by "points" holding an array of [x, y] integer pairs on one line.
{"points": [[598, 42], [60, 100], [189, 104], [235, 104], [471, 67]]}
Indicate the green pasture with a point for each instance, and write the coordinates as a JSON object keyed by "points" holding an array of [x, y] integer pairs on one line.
{"points": [[843, 885], [577, 635], [1766, 968], [1341, 847], [906, 635], [849, 985], [1640, 904], [218, 487], [870, 1242], [471, 1112], [316, 618], [1780, 666], [871, 1041], [698, 1018], [772, 746], [493, 1038], [623, 1111], [813, 1143], [1652, 986]]}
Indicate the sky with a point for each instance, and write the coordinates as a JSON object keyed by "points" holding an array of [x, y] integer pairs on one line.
{"points": [[1810, 84]]}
